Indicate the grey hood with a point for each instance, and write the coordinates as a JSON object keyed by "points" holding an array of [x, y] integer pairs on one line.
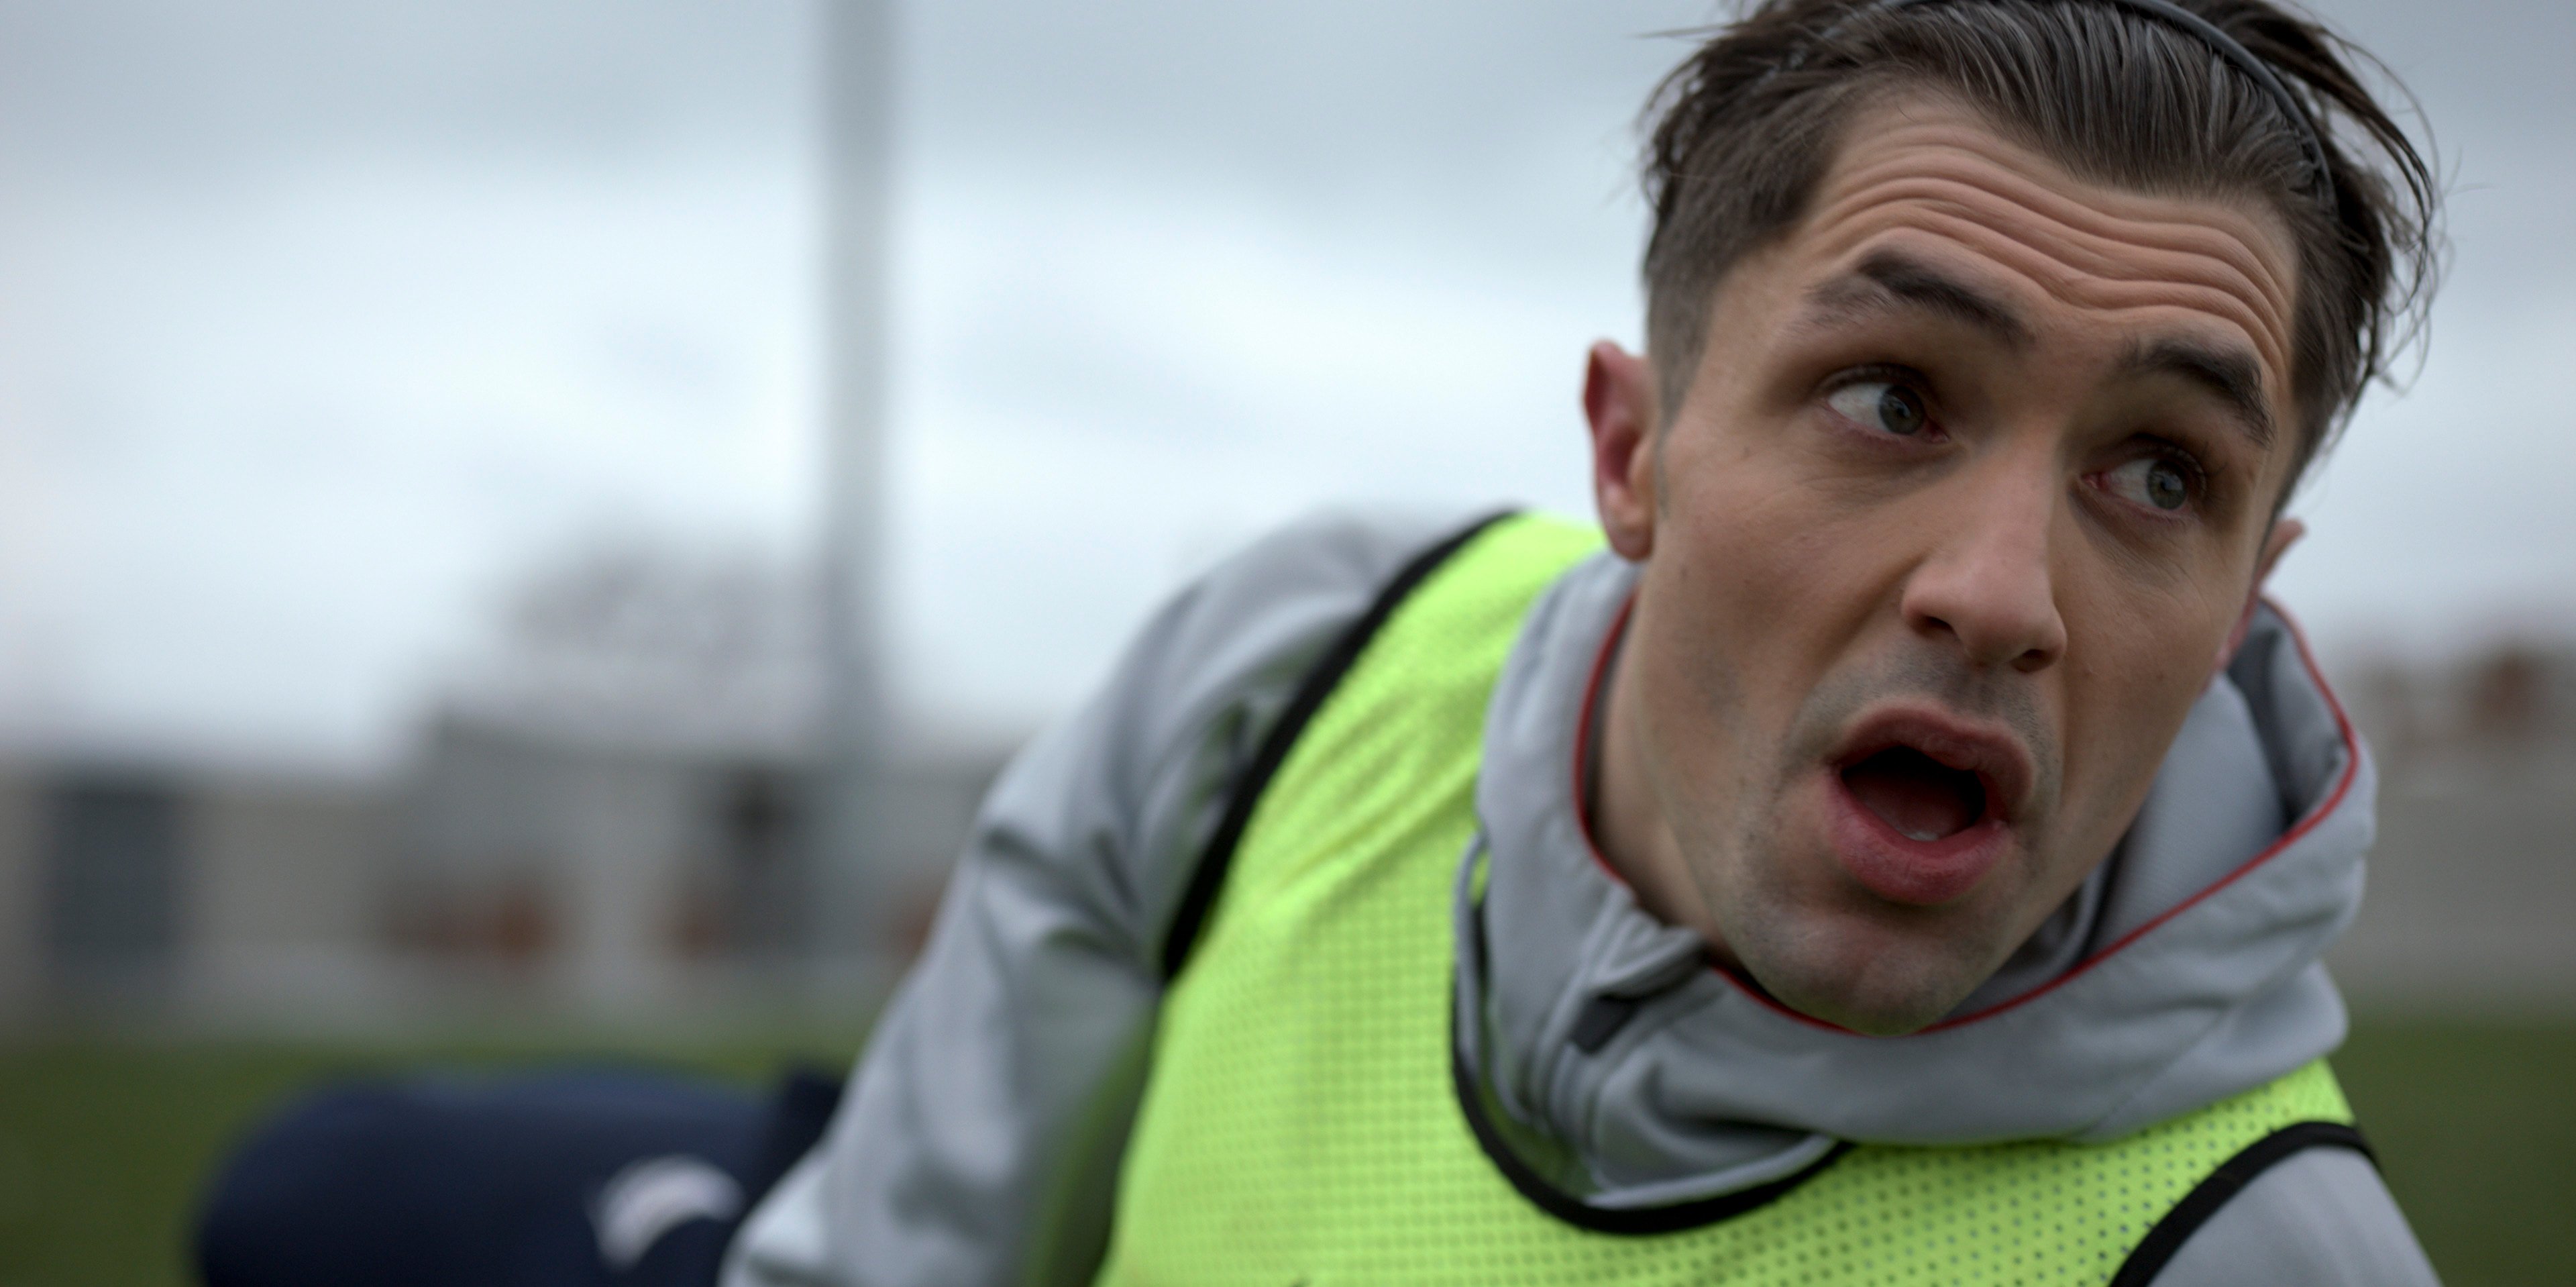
{"points": [[1605, 1053]]}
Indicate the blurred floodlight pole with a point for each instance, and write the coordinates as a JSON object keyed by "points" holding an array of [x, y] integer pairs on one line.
{"points": [[847, 920]]}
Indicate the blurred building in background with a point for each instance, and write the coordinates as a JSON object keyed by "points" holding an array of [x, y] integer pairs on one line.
{"points": [[2472, 898], [609, 816], [134, 885]]}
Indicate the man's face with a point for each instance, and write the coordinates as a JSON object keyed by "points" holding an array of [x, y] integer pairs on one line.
{"points": [[1967, 496]]}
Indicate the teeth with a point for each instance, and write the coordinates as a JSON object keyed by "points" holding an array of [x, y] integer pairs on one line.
{"points": [[1922, 835]]}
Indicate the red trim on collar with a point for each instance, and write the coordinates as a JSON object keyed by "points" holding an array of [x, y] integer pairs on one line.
{"points": [[2334, 798]]}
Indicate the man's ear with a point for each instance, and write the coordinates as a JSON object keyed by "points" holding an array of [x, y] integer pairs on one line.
{"points": [[1619, 404], [2283, 535]]}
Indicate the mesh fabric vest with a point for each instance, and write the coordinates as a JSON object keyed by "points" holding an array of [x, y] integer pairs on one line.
{"points": [[1300, 1124]]}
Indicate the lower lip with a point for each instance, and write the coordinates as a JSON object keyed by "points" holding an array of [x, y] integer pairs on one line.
{"points": [[1896, 867]]}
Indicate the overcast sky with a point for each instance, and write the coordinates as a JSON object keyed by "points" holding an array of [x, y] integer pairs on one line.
{"points": [[320, 323]]}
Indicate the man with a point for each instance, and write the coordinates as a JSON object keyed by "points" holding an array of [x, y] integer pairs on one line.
{"points": [[1900, 856]]}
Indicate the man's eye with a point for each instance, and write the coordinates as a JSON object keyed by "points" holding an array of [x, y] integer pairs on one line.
{"points": [[1892, 407], [2151, 480]]}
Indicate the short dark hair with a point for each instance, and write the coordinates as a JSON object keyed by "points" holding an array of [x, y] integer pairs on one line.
{"points": [[1744, 131]]}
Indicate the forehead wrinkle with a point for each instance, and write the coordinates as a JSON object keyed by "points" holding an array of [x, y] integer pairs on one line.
{"points": [[2134, 291], [2077, 273], [2096, 239], [2178, 223], [1966, 145], [2098, 246], [1976, 158], [2097, 293]]}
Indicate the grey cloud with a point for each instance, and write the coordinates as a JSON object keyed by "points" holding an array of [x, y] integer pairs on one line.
{"points": [[176, 87]]}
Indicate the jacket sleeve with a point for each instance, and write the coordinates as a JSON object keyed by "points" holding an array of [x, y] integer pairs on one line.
{"points": [[980, 1137], [2320, 1218]]}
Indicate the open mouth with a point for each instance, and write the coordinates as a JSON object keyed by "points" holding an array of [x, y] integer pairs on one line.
{"points": [[1920, 797], [1925, 803]]}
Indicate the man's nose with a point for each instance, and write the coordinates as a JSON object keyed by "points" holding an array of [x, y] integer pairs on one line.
{"points": [[1986, 580]]}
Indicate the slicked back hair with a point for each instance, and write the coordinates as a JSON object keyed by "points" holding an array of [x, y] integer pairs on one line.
{"points": [[1743, 133]]}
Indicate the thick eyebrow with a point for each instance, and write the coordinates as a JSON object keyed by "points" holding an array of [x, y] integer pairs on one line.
{"points": [[2226, 372], [1890, 277]]}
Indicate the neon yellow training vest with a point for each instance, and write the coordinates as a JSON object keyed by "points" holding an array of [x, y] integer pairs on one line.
{"points": [[1300, 1124]]}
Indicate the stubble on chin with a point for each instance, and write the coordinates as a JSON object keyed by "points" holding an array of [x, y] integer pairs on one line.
{"points": [[1795, 932], [1793, 925]]}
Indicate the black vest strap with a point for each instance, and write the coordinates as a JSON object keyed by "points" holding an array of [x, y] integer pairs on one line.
{"points": [[2226, 1182], [1631, 1221], [1208, 877]]}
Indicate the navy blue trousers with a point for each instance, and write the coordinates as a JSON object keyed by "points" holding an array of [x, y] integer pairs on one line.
{"points": [[566, 1178]]}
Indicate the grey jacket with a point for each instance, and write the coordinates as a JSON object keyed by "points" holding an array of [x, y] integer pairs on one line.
{"points": [[981, 1137]]}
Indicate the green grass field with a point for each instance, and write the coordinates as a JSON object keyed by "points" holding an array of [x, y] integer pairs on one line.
{"points": [[104, 1143]]}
